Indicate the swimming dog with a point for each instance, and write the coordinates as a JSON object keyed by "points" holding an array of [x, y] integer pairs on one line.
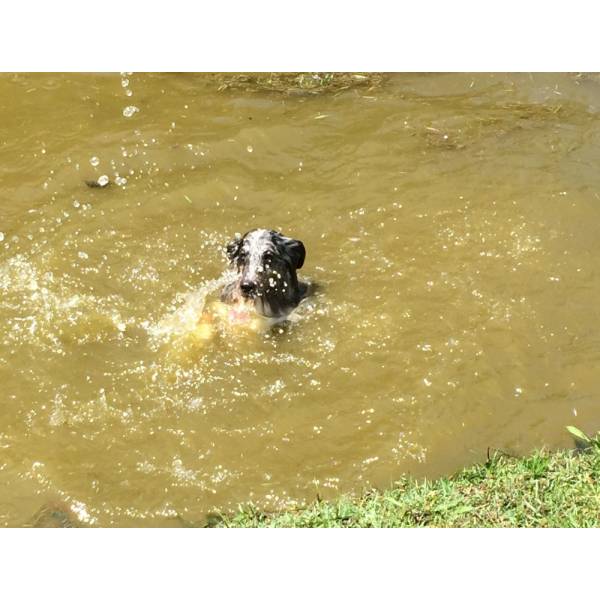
{"points": [[266, 263]]}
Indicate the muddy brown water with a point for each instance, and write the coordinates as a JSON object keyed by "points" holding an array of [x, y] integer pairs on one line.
{"points": [[451, 221]]}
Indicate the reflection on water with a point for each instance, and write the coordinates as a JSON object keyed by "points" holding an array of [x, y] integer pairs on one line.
{"points": [[449, 220]]}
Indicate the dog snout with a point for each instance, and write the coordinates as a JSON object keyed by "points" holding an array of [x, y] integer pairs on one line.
{"points": [[248, 287]]}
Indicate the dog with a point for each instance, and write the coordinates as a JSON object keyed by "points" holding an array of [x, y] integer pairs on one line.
{"points": [[266, 263]]}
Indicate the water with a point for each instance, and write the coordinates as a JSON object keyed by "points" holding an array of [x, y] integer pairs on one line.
{"points": [[450, 221]]}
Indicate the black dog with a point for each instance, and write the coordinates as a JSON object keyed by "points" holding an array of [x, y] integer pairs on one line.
{"points": [[266, 262]]}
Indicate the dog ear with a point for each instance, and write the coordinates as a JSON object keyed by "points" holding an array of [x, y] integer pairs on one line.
{"points": [[295, 250], [233, 248]]}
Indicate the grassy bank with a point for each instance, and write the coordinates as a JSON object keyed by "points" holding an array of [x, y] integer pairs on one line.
{"points": [[546, 489], [303, 84]]}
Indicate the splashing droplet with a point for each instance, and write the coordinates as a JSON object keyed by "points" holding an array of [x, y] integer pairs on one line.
{"points": [[129, 111], [121, 181], [94, 161], [103, 180], [250, 149]]}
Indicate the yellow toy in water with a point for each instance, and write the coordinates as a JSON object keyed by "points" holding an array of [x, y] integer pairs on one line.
{"points": [[219, 316]]}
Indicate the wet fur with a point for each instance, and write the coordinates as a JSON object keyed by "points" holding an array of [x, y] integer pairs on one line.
{"points": [[268, 260]]}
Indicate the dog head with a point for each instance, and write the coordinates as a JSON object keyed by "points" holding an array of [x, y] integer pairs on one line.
{"points": [[266, 262]]}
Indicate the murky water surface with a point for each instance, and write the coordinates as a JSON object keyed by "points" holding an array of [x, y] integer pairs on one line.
{"points": [[450, 220]]}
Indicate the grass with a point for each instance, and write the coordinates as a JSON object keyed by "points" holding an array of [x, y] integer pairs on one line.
{"points": [[545, 489], [297, 83]]}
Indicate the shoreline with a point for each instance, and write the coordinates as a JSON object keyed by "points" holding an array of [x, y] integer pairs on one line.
{"points": [[544, 489]]}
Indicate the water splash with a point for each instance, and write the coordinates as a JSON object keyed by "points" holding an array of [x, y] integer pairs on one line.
{"points": [[43, 310], [185, 318], [129, 111]]}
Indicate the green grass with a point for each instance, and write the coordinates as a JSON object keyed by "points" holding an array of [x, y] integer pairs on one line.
{"points": [[297, 83], [546, 489]]}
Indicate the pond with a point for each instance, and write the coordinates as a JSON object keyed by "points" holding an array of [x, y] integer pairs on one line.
{"points": [[450, 223]]}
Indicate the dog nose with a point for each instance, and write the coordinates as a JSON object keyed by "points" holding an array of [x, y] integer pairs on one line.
{"points": [[248, 287]]}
